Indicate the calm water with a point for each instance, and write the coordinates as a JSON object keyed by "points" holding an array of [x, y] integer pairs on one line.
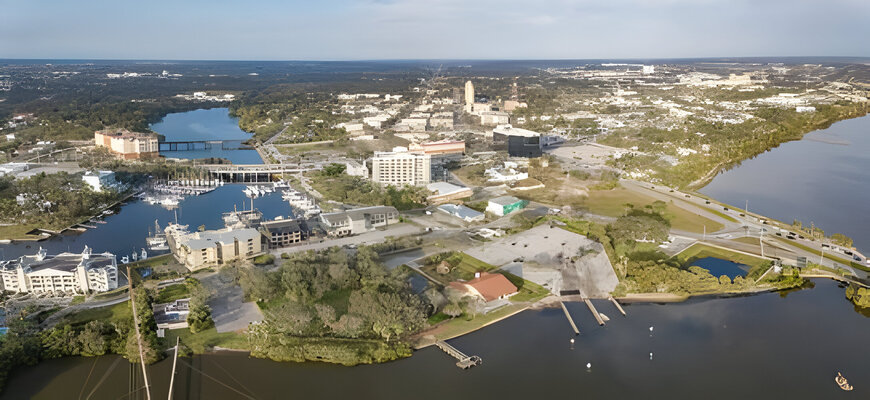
{"points": [[211, 124], [719, 267], [125, 231], [823, 179], [748, 347]]}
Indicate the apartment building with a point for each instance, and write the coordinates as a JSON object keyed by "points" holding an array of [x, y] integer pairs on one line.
{"points": [[201, 249], [358, 220], [65, 272]]}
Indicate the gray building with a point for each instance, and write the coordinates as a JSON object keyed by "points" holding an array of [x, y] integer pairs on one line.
{"points": [[284, 232], [358, 220]]}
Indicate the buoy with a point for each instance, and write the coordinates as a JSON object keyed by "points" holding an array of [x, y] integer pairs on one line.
{"points": [[588, 365], [572, 340], [650, 356], [650, 329]]}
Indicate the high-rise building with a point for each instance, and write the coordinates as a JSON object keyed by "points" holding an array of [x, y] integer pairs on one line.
{"points": [[128, 145], [401, 167], [469, 94]]}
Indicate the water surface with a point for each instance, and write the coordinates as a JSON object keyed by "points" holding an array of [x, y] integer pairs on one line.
{"points": [[748, 347], [210, 124], [822, 179]]}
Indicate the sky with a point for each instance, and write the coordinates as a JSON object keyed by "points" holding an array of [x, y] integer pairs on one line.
{"points": [[431, 29]]}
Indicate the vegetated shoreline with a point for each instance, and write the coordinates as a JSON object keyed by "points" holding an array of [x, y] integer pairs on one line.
{"points": [[728, 165]]}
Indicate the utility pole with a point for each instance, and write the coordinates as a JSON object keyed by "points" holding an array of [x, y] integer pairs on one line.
{"points": [[174, 361], [705, 232], [761, 241], [138, 334]]}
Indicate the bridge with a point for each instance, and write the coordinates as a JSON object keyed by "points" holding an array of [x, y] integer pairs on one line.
{"points": [[191, 145], [255, 173]]}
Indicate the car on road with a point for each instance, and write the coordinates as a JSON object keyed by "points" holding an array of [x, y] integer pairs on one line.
{"points": [[707, 202], [847, 252], [688, 197], [857, 258], [825, 245]]}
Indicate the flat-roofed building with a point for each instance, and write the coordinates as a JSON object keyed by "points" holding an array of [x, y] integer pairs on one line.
{"points": [[201, 249], [99, 180], [401, 167], [438, 148], [127, 144], [462, 212], [358, 220], [493, 118], [443, 192], [65, 272], [284, 232], [517, 141], [505, 205]]}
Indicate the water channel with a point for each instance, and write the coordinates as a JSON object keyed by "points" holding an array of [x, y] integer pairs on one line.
{"points": [[214, 124], [785, 346]]}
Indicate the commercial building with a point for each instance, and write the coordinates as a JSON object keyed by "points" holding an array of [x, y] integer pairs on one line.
{"points": [[505, 205], [65, 272], [443, 192], [284, 232], [358, 220], [493, 118], [518, 142], [439, 148], [99, 180], [200, 249], [127, 144], [401, 167], [462, 212], [488, 287]]}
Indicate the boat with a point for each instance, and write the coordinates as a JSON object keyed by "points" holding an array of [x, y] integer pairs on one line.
{"points": [[842, 382], [143, 255], [125, 259]]}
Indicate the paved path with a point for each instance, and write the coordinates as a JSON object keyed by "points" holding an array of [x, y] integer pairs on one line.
{"points": [[377, 236]]}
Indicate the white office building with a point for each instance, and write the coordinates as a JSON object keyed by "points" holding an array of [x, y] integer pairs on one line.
{"points": [[401, 167]]}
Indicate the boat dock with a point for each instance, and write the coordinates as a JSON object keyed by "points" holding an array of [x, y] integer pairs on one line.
{"points": [[571, 320], [618, 306], [463, 361], [594, 311]]}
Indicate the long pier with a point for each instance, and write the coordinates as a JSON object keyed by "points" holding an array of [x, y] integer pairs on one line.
{"points": [[594, 311], [464, 361], [571, 320], [618, 306]]}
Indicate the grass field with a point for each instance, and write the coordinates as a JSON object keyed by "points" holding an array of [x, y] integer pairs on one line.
{"points": [[17, 232], [203, 341], [612, 203], [464, 270], [528, 291], [172, 293], [460, 326], [117, 312]]}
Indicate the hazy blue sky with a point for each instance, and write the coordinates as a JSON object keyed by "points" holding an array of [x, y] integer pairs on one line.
{"points": [[413, 29]]}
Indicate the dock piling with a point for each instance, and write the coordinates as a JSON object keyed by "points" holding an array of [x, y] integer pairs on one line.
{"points": [[594, 311], [571, 320], [618, 306]]}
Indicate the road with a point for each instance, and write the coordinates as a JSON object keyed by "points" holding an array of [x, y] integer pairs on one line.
{"points": [[403, 229]]}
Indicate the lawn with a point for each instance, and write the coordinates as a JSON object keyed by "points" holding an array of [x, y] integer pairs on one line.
{"points": [[460, 326], [17, 232], [201, 342], [172, 293], [528, 291], [612, 203], [465, 270], [117, 312]]}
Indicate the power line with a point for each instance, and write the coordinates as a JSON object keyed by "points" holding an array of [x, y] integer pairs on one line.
{"points": [[216, 380]]}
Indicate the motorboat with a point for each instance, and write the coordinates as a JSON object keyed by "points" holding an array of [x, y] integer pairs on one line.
{"points": [[842, 382]]}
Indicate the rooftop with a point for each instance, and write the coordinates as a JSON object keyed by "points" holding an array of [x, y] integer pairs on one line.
{"points": [[492, 286], [504, 200]]}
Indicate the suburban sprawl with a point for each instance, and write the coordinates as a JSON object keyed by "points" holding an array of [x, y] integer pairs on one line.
{"points": [[382, 209]]}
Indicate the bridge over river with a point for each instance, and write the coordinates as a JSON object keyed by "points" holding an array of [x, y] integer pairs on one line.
{"points": [[193, 145]]}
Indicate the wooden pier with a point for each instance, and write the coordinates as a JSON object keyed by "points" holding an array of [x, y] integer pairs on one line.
{"points": [[463, 361], [571, 320], [594, 311], [618, 306]]}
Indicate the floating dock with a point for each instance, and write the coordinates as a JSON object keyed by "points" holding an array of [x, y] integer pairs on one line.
{"points": [[594, 311], [618, 306], [571, 320], [463, 361]]}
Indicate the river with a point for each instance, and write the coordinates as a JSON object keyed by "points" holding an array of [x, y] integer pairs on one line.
{"points": [[210, 124], [822, 179], [747, 347]]}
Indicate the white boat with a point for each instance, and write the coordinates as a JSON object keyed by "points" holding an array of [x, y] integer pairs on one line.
{"points": [[125, 259], [143, 255]]}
